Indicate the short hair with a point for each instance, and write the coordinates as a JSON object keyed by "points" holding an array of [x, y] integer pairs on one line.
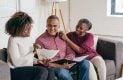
{"points": [[86, 21], [15, 25], [52, 17]]}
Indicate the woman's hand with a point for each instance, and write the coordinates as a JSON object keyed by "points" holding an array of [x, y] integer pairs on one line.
{"points": [[36, 46], [63, 35], [39, 61], [45, 62]]}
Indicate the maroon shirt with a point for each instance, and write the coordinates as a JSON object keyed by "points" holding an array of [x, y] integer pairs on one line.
{"points": [[86, 44], [55, 43]]}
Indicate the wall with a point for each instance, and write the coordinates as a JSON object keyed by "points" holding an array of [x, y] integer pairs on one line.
{"points": [[7, 8], [96, 12], [39, 10], [72, 11]]}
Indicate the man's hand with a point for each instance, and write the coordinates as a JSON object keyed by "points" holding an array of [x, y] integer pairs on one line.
{"points": [[45, 62], [68, 66]]}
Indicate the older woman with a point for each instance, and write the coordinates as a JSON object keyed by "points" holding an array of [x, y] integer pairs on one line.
{"points": [[82, 42]]}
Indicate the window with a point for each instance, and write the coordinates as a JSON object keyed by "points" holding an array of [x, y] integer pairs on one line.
{"points": [[115, 8]]}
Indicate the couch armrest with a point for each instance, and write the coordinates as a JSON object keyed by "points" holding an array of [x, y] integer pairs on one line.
{"points": [[4, 71], [111, 50]]}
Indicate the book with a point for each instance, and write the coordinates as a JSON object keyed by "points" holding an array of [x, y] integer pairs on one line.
{"points": [[75, 60], [62, 61], [46, 53]]}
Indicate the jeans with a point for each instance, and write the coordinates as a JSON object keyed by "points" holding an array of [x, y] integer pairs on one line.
{"points": [[62, 74], [51, 74], [29, 73], [82, 69]]}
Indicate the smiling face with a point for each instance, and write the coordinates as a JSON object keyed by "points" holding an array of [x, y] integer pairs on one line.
{"points": [[83, 26], [53, 26], [81, 29]]}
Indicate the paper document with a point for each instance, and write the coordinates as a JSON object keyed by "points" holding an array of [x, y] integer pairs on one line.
{"points": [[78, 59], [46, 53]]}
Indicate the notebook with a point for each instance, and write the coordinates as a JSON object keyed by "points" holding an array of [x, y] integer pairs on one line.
{"points": [[75, 60]]}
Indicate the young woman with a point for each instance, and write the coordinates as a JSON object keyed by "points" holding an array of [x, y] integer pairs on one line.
{"points": [[82, 43], [20, 49]]}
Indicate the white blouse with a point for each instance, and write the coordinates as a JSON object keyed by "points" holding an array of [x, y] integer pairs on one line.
{"points": [[20, 52]]}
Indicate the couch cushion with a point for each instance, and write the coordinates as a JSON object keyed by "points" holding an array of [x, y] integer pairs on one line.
{"points": [[4, 71], [3, 54], [110, 67], [106, 49]]}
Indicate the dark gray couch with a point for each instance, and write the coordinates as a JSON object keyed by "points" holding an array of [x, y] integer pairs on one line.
{"points": [[4, 68], [112, 53], [110, 50]]}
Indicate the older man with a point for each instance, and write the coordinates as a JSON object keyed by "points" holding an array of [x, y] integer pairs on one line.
{"points": [[51, 40]]}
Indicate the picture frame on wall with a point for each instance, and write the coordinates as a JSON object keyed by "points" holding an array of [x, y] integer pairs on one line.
{"points": [[115, 8]]}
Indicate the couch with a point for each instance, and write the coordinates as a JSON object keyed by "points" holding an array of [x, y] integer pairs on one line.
{"points": [[112, 53], [4, 68], [110, 50]]}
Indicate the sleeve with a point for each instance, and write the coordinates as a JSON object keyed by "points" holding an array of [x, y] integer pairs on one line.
{"points": [[16, 58], [70, 54], [39, 41], [87, 45]]}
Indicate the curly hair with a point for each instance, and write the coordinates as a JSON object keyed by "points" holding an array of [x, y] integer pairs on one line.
{"points": [[15, 25]]}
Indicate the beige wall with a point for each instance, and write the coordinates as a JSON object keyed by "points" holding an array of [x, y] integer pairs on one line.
{"points": [[8, 8], [96, 11], [39, 10]]}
